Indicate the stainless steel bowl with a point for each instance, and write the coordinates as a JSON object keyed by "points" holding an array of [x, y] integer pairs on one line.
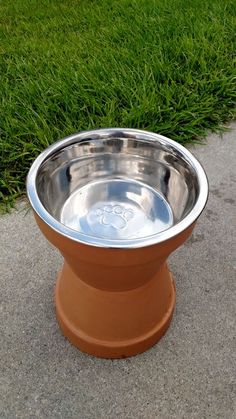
{"points": [[120, 188]]}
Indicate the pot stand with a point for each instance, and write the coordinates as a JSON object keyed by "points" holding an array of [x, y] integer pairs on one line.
{"points": [[114, 324]]}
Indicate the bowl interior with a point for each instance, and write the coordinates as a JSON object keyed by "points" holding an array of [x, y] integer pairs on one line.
{"points": [[118, 188]]}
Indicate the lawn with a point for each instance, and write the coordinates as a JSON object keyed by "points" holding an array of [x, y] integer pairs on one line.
{"points": [[66, 66]]}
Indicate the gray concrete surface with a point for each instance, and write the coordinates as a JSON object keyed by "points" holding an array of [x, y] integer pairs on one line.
{"points": [[190, 373]]}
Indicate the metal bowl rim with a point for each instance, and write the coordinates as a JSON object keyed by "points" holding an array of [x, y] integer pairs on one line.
{"points": [[82, 238]]}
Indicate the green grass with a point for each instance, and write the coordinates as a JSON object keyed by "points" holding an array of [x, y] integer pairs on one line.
{"points": [[66, 66]]}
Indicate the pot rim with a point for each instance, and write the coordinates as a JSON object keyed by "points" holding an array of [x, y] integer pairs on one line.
{"points": [[83, 238]]}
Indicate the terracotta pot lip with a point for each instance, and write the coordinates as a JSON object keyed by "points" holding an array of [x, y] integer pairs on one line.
{"points": [[82, 238]]}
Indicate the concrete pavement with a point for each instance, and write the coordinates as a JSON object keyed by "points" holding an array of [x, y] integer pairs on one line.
{"points": [[190, 373]]}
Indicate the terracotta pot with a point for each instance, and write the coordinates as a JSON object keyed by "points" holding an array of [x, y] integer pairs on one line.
{"points": [[116, 203]]}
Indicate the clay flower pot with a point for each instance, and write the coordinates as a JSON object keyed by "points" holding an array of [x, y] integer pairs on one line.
{"points": [[116, 203]]}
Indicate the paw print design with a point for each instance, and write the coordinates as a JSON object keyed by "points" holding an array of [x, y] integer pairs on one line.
{"points": [[115, 216]]}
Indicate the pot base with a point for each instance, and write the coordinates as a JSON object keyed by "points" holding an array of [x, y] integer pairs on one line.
{"points": [[114, 324]]}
